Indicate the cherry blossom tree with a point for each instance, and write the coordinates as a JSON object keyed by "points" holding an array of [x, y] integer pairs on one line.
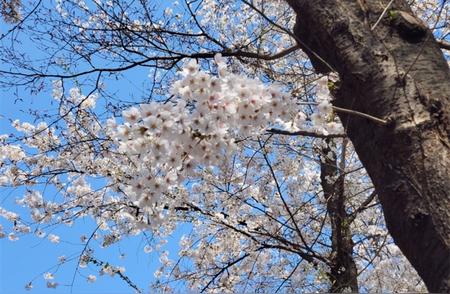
{"points": [[238, 134]]}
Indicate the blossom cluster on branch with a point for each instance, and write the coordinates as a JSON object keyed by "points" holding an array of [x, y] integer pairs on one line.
{"points": [[198, 126]]}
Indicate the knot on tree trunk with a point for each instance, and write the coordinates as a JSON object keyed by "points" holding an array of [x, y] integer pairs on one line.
{"points": [[409, 27]]}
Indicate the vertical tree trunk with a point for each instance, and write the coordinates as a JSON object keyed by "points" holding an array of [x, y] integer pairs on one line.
{"points": [[395, 71], [343, 274]]}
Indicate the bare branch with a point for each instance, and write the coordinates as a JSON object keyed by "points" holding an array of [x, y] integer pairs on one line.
{"points": [[304, 133], [443, 44]]}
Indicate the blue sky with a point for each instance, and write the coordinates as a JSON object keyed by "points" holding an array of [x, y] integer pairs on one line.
{"points": [[29, 258]]}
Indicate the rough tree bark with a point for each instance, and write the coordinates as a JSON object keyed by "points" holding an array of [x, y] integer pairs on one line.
{"points": [[395, 71], [343, 272]]}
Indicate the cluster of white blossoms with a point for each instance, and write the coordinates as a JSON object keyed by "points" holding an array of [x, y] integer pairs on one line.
{"points": [[157, 148], [199, 126]]}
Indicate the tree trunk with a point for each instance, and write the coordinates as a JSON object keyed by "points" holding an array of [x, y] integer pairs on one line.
{"points": [[396, 72], [343, 273]]}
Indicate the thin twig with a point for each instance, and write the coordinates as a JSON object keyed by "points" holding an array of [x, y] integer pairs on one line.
{"points": [[382, 15], [354, 112], [443, 44], [304, 133], [299, 41], [361, 114], [286, 206]]}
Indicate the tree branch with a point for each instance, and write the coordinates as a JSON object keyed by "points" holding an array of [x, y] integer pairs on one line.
{"points": [[143, 62], [361, 114], [304, 133], [443, 44]]}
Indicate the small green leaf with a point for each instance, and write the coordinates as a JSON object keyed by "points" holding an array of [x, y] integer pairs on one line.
{"points": [[392, 14]]}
